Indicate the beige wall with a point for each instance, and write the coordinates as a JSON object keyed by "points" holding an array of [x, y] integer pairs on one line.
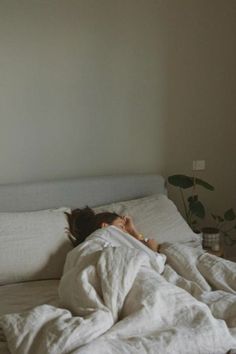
{"points": [[92, 87], [200, 117], [78, 88]]}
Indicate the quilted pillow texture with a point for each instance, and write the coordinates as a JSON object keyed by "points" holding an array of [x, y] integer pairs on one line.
{"points": [[155, 217], [33, 245]]}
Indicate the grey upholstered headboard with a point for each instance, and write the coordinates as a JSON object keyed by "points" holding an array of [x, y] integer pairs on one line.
{"points": [[78, 192]]}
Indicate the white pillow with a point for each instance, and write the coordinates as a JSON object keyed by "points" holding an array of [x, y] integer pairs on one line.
{"points": [[155, 217], [33, 245]]}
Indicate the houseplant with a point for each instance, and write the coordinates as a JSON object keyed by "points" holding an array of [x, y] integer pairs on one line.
{"points": [[193, 207], [226, 225]]}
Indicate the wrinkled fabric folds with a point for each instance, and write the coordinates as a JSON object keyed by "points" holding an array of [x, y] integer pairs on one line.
{"points": [[114, 300]]}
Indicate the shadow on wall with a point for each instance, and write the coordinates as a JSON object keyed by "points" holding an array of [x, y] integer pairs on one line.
{"points": [[200, 87]]}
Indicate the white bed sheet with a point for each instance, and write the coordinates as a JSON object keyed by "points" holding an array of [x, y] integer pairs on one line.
{"points": [[113, 300], [24, 296]]}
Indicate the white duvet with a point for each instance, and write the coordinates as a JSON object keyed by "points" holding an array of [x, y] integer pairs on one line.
{"points": [[117, 296]]}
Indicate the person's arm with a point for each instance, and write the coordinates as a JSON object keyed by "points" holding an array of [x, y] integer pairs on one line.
{"points": [[153, 244], [131, 229]]}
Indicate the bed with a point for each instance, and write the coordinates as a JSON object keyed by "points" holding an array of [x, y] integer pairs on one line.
{"points": [[111, 294]]}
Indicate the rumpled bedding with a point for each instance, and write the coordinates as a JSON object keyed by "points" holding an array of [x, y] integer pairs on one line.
{"points": [[117, 296]]}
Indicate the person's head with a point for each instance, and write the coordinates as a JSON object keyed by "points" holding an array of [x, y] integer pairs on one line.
{"points": [[83, 222]]}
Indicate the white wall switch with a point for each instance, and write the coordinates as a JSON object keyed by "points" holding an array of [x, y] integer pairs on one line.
{"points": [[199, 165]]}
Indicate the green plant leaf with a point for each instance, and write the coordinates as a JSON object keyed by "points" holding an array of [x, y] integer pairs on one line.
{"points": [[193, 198], [204, 184], [181, 181], [219, 218], [229, 215], [197, 209], [185, 182]]}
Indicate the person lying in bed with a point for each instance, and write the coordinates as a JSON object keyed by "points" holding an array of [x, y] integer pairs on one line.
{"points": [[83, 222]]}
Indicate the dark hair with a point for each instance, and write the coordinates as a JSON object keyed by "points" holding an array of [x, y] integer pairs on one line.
{"points": [[83, 222]]}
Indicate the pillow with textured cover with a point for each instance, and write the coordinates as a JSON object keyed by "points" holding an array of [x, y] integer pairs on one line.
{"points": [[33, 245], [156, 217]]}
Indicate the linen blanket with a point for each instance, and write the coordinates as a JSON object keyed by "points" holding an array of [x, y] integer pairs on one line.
{"points": [[118, 297]]}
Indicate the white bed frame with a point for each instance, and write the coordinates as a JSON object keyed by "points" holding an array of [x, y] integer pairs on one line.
{"points": [[78, 192]]}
